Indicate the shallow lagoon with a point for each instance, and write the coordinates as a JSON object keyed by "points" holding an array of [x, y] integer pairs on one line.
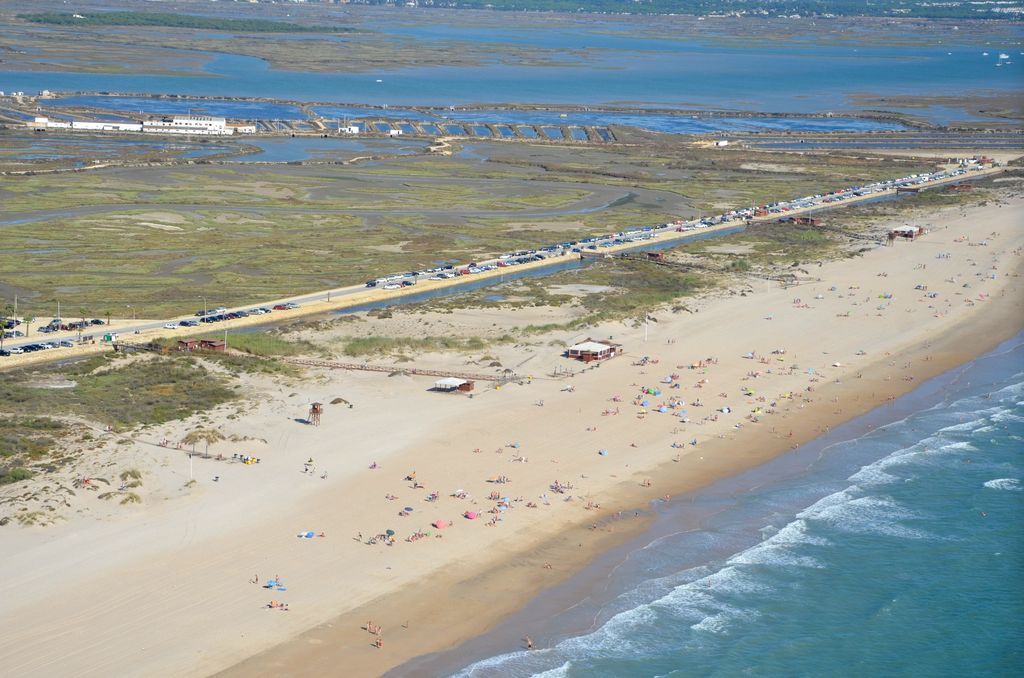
{"points": [[618, 68]]}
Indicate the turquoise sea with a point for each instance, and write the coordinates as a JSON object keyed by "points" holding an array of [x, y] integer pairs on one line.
{"points": [[892, 547]]}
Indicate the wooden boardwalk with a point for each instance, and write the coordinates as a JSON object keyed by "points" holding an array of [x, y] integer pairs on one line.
{"points": [[503, 377]]}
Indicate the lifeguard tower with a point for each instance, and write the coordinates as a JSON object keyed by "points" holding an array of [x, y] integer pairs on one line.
{"points": [[315, 410]]}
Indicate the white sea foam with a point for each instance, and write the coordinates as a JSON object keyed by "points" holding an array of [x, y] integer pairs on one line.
{"points": [[723, 621], [870, 515], [1004, 484], [966, 426], [872, 476], [779, 549], [558, 672], [776, 556], [834, 499], [796, 533], [1006, 416]]}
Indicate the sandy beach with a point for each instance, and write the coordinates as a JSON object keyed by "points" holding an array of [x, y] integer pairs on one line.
{"points": [[179, 584]]}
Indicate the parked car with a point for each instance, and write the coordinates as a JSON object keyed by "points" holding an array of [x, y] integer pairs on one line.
{"points": [[189, 323], [170, 326], [4, 353], [17, 350], [96, 321], [66, 344]]}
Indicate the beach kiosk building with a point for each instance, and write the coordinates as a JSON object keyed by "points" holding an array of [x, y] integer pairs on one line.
{"points": [[449, 384], [590, 350]]}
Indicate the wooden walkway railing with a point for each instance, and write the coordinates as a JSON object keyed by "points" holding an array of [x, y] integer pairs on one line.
{"points": [[502, 377]]}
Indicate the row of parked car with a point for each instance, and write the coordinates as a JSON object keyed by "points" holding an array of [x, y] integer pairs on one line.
{"points": [[32, 348], [220, 314]]}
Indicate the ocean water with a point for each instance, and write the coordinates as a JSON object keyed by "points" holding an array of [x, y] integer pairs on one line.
{"points": [[894, 547]]}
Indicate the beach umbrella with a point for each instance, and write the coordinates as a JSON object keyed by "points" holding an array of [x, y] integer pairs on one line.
{"points": [[408, 509], [440, 524], [471, 515], [603, 453], [390, 533]]}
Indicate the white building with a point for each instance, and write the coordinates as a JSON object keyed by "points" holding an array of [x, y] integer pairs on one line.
{"points": [[105, 126], [242, 127], [188, 124], [349, 129]]}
